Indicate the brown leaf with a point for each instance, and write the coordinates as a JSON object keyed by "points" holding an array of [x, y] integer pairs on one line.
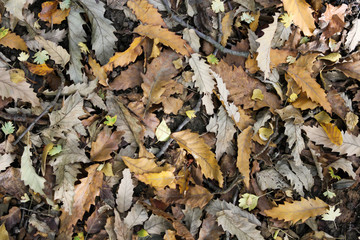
{"points": [[142, 165], [242, 86], [197, 196], [298, 210], [47, 10], [350, 69], [300, 71], [337, 104], [226, 24], [166, 37], [129, 78], [210, 230], [302, 15], [59, 15], [149, 119], [85, 194], [121, 59], [336, 25], [12, 40], [278, 56], [303, 102], [12, 219], [251, 64], [98, 71], [39, 69], [106, 142], [146, 12], [96, 221], [244, 150], [196, 146]]}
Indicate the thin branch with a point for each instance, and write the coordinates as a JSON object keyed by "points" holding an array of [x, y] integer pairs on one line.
{"points": [[47, 109], [234, 183], [21, 118], [202, 35]]}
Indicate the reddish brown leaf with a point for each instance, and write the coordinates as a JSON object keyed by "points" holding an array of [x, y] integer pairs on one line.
{"points": [[210, 230], [350, 69], [98, 71], [106, 142], [10, 183], [129, 78]]}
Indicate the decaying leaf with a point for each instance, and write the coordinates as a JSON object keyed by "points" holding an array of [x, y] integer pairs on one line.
{"points": [[298, 210], [105, 144]]}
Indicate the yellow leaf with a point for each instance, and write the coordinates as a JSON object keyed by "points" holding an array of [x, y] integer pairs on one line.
{"points": [[124, 58], [83, 47], [244, 150], [4, 235], [298, 210], [158, 180], [190, 114], [98, 71], [351, 120], [286, 19], [333, 57], [323, 117], [265, 133], [257, 95], [107, 170], [293, 97], [333, 133], [17, 75], [142, 165], [166, 37], [162, 132], [196, 146], [303, 102], [302, 15], [45, 152], [301, 71], [146, 12], [39, 69], [226, 24], [12, 40]]}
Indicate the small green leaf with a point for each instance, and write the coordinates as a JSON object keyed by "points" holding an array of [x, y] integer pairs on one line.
{"points": [[65, 4], [55, 150], [162, 131], [212, 59], [8, 128], [304, 40], [248, 201], [80, 236], [110, 121], [246, 17], [329, 194], [41, 57], [217, 6], [3, 32], [333, 175], [142, 233]]}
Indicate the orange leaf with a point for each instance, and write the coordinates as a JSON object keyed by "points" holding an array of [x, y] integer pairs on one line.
{"points": [[333, 133], [158, 180], [166, 37], [278, 56], [197, 147], [98, 71], [47, 10], [146, 12], [227, 23], [301, 71], [12, 40], [302, 15], [85, 194], [105, 144], [298, 210], [39, 69], [197, 196], [244, 150], [59, 16], [124, 58]]}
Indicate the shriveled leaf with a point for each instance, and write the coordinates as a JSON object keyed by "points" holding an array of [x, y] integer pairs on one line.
{"points": [[146, 12], [307, 83], [248, 201], [298, 210], [106, 142], [16, 91], [166, 37], [295, 140], [196, 146], [28, 174], [345, 165], [56, 52], [302, 15], [244, 150]]}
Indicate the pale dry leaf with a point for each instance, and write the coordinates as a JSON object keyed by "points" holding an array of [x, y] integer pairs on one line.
{"points": [[263, 51], [331, 214], [350, 146], [353, 37], [125, 192], [15, 7], [225, 134], [202, 76], [295, 140], [156, 225], [5, 160], [270, 179], [304, 175], [281, 35], [120, 228], [136, 216], [345, 165], [192, 38], [283, 168], [56, 52], [192, 219]]}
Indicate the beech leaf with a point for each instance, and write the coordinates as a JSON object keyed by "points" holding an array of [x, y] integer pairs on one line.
{"points": [[125, 192]]}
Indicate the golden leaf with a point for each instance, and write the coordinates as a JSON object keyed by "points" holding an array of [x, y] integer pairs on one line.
{"points": [[226, 24], [12, 40], [166, 37], [298, 210], [196, 146], [303, 102], [333, 133], [244, 150], [98, 71], [301, 71], [302, 15], [124, 58], [142, 165], [146, 12], [39, 69], [45, 152], [158, 180]]}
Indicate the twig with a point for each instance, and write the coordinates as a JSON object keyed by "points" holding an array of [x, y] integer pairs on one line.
{"points": [[186, 121], [202, 35], [40, 213], [270, 138], [234, 183], [220, 33], [47, 109], [21, 118]]}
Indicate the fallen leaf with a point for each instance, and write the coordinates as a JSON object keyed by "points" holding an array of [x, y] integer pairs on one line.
{"points": [[98, 71], [333, 133], [56, 52], [162, 132], [39, 69], [146, 12], [226, 23], [12, 40], [302, 15], [244, 150], [106, 142], [331, 214], [125, 192], [142, 165], [158, 180]]}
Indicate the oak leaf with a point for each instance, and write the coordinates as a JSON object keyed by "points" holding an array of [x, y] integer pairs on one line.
{"points": [[146, 12], [244, 150], [121, 59], [16, 91], [12, 40], [166, 37], [56, 52], [85, 194], [302, 15], [196, 146], [39, 69], [301, 71], [298, 210], [106, 142]]}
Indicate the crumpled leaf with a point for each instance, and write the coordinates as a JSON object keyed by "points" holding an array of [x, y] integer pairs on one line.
{"points": [[248, 201], [146, 13], [298, 210], [196, 146], [16, 91], [28, 174], [302, 15]]}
